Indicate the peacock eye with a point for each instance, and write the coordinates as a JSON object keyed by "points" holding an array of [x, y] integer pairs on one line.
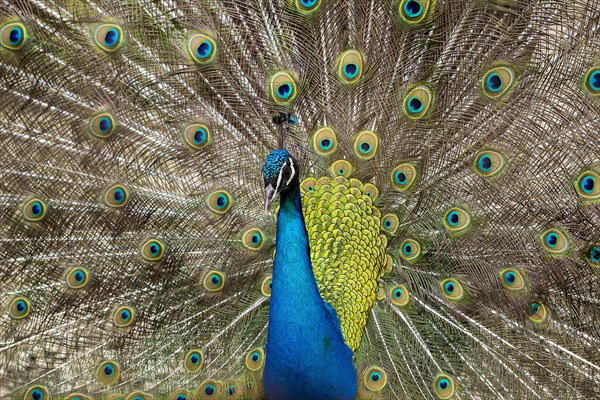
{"points": [[266, 286], [209, 390], [366, 144], [537, 312], [498, 81], [152, 250], [34, 210], [413, 11], [77, 277], [37, 393], [593, 255], [108, 37], [108, 372], [282, 87], [253, 239], [202, 48], [444, 387], [403, 176], [390, 223], [213, 281], [418, 102], [102, 126], [512, 279], [307, 6], [123, 316], [197, 136], [555, 241], [410, 250], [255, 359], [19, 308], [13, 35], [219, 202], [193, 360], [116, 196], [489, 163], [587, 186], [375, 379], [342, 168], [399, 295], [457, 219], [592, 81], [350, 66], [452, 289]]}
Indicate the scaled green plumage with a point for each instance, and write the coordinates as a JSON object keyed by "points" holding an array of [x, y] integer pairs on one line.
{"points": [[136, 255]]}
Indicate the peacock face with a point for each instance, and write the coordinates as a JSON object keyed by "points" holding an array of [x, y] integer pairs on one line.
{"points": [[279, 171]]}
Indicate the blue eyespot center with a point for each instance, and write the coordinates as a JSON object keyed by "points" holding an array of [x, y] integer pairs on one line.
{"points": [[453, 218], [387, 223], [255, 356], [15, 36], [350, 70], [449, 287], [587, 184], [109, 370], [209, 390], [125, 315], [308, 3], [397, 293], [375, 376], [443, 384], [37, 394], [413, 8], [494, 82], [36, 208], [365, 147], [534, 308], [594, 81], [105, 124], [199, 136], [595, 254], [270, 283], [510, 277], [181, 397], [326, 144], [231, 390], [204, 49], [21, 307], [485, 163], [221, 201], [215, 279], [415, 105], [341, 171], [79, 276], [195, 359], [552, 239], [284, 90], [407, 249], [119, 195], [155, 249], [400, 178], [111, 37]]}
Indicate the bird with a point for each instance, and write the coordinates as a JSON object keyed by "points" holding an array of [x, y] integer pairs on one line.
{"points": [[299, 199]]}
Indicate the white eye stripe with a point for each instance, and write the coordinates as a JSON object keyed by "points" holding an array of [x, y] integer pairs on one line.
{"points": [[293, 172], [279, 178]]}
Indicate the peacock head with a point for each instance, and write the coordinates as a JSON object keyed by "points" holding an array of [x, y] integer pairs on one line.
{"points": [[280, 172]]}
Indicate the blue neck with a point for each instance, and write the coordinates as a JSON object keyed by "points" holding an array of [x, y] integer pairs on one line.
{"points": [[306, 354]]}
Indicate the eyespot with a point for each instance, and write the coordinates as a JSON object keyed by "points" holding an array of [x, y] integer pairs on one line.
{"points": [[390, 223], [307, 6], [202, 48], [77, 277], [231, 390], [308, 185], [324, 141], [13, 35], [555, 241], [588, 186], [209, 388], [213, 281], [138, 396], [375, 379], [116, 196], [497, 81], [399, 295], [403, 177], [512, 279], [410, 250], [108, 37], [193, 360], [488, 163], [282, 87], [592, 81], [219, 202], [34, 210], [456, 219], [181, 394], [152, 250], [452, 289], [265, 286], [365, 145], [349, 66], [77, 396], [102, 126], [443, 386], [197, 136], [342, 168], [255, 359], [413, 11], [123, 316], [253, 239], [593, 255], [418, 102], [37, 393], [19, 308], [108, 372], [380, 293], [537, 312]]}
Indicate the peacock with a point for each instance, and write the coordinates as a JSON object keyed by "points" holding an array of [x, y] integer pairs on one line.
{"points": [[299, 199]]}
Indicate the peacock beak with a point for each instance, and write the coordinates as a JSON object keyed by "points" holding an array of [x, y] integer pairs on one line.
{"points": [[270, 195]]}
